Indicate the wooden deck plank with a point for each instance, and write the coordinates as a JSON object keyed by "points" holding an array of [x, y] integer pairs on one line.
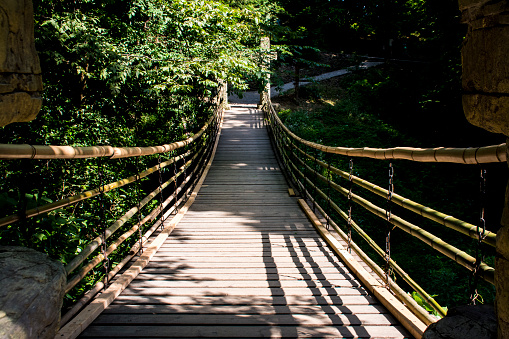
{"points": [[263, 331], [234, 276], [246, 292], [245, 283], [225, 273], [245, 262], [300, 300], [317, 319], [244, 309]]}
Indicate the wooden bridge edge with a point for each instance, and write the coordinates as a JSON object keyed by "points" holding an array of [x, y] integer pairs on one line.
{"points": [[413, 324], [77, 325]]}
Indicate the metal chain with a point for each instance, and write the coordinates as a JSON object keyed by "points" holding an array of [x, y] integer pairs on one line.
{"points": [[185, 172], [388, 214], [104, 246], [175, 194], [350, 179], [481, 235], [161, 226], [329, 175], [138, 198], [316, 175]]}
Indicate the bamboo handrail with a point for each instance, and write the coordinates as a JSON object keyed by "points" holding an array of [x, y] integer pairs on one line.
{"points": [[419, 311], [78, 260], [24, 151], [287, 141], [416, 309], [474, 155], [94, 244], [461, 257], [85, 195], [427, 212], [100, 257], [371, 243], [134, 249]]}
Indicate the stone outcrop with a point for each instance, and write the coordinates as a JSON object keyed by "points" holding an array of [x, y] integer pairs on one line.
{"points": [[485, 64], [31, 293], [465, 322], [20, 70]]}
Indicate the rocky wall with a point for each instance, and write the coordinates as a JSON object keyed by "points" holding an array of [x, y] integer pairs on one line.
{"points": [[20, 71], [485, 82]]}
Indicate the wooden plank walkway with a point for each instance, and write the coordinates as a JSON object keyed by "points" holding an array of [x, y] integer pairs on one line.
{"points": [[245, 262]]}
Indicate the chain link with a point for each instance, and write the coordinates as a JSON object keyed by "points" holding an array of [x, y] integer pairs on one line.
{"points": [[161, 226], [104, 246], [390, 191], [329, 174], [316, 176], [185, 174], [350, 180], [388, 214], [138, 198], [481, 235], [175, 192]]}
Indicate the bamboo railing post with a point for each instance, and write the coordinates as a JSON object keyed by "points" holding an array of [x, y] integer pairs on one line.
{"points": [[502, 270]]}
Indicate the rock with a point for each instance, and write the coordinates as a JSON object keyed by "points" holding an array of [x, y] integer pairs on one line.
{"points": [[485, 78], [31, 293], [20, 70], [490, 112], [465, 322]]}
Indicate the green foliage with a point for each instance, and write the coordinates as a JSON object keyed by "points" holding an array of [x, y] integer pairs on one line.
{"points": [[120, 73], [421, 302]]}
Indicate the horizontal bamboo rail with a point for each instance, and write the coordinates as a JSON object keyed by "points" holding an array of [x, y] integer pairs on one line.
{"points": [[85, 253], [86, 195], [461, 257], [134, 250], [94, 244], [420, 312], [150, 217], [11, 151], [76, 325], [474, 155], [427, 212], [416, 287]]}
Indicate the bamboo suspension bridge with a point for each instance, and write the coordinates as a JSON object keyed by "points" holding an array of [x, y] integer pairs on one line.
{"points": [[248, 241], [244, 261]]}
